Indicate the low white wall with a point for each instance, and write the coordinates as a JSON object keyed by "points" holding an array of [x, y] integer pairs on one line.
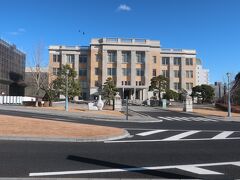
{"points": [[15, 99]]}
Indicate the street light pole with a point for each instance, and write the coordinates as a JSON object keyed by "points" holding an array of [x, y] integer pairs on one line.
{"points": [[229, 96], [66, 97]]}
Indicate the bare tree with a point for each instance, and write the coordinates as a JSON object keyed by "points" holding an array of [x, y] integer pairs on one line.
{"points": [[48, 88], [36, 70]]}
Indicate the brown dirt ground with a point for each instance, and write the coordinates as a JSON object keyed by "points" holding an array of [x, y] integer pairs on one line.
{"points": [[29, 127], [84, 111], [209, 112]]}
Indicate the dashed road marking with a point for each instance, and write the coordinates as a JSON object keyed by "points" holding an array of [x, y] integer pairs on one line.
{"points": [[180, 136], [223, 135], [150, 132], [191, 118]]}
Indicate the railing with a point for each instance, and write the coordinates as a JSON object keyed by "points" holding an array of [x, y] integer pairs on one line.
{"points": [[15, 99], [178, 50], [112, 40], [126, 40], [140, 41]]}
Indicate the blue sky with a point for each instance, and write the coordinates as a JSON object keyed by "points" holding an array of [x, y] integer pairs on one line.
{"points": [[212, 27]]}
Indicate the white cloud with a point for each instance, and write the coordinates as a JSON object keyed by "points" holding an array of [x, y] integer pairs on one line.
{"points": [[124, 7], [18, 32]]}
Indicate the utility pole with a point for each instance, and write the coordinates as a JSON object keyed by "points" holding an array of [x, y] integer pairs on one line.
{"points": [[229, 96], [66, 97]]}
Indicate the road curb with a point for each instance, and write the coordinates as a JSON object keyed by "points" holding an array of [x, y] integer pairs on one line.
{"points": [[46, 139]]}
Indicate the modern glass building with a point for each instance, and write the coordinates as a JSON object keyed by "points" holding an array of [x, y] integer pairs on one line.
{"points": [[12, 70]]}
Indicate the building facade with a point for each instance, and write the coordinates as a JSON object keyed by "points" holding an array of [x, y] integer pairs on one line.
{"points": [[130, 62], [202, 75], [12, 69]]}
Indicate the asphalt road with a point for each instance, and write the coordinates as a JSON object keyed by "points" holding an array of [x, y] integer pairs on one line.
{"points": [[185, 148]]}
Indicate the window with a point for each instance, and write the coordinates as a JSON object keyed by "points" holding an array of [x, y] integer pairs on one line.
{"points": [[154, 59], [83, 84], [70, 58], [140, 83], [96, 83], [112, 56], [177, 61], [126, 71], [96, 71], [111, 71], [83, 95], [140, 56], [165, 60], [154, 73], [189, 86], [98, 57], [176, 73], [83, 59], [56, 71], [176, 85], [165, 73], [189, 61], [139, 72], [82, 72], [126, 56], [56, 58], [189, 74]]}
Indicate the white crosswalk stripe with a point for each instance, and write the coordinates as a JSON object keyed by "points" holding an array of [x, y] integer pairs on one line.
{"points": [[164, 135], [223, 135], [180, 136], [176, 118], [150, 132]]}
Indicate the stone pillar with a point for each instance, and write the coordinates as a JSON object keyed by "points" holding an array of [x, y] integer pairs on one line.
{"points": [[64, 59], [117, 102], [119, 69], [188, 104], [183, 74], [133, 68], [146, 70], [104, 66], [171, 73]]}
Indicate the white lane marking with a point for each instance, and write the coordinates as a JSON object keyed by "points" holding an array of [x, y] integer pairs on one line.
{"points": [[166, 118], [137, 169], [150, 132], [145, 129], [162, 140], [180, 136], [237, 163], [197, 170], [223, 135]]}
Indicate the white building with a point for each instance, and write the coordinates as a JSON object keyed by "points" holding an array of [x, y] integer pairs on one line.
{"points": [[202, 75]]}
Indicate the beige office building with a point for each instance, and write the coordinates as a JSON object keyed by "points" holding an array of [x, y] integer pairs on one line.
{"points": [[130, 62]]}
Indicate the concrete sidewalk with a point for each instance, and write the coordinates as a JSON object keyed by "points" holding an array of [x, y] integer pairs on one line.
{"points": [[105, 115]]}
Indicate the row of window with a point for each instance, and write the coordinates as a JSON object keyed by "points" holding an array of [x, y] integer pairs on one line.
{"points": [[128, 83], [126, 58], [177, 61], [124, 83], [70, 58], [177, 86], [177, 73], [127, 72]]}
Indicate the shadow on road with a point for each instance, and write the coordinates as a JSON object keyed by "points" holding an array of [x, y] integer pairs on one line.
{"points": [[128, 168]]}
